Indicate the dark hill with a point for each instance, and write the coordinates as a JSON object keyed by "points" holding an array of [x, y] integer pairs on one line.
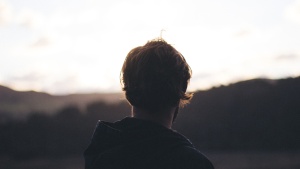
{"points": [[257, 114], [20, 103], [261, 110]]}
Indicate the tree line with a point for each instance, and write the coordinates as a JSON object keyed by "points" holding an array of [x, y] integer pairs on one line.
{"points": [[251, 115]]}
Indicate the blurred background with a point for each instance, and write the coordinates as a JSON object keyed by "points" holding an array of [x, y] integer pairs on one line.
{"points": [[61, 60]]}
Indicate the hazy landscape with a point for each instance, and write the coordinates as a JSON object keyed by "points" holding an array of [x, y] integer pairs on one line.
{"points": [[250, 124]]}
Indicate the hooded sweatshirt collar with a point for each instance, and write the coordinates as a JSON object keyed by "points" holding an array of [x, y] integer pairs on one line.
{"points": [[121, 142]]}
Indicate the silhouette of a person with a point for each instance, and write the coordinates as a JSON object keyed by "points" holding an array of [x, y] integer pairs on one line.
{"points": [[154, 78]]}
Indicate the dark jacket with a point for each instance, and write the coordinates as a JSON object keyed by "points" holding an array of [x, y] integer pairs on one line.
{"points": [[138, 144]]}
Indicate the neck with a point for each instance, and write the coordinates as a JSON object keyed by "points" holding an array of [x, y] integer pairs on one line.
{"points": [[163, 117]]}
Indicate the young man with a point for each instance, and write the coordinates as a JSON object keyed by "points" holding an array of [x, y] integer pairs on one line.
{"points": [[155, 78]]}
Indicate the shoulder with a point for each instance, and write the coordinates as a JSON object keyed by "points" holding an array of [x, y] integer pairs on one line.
{"points": [[187, 157]]}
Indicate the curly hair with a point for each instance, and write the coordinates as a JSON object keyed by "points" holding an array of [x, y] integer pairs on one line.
{"points": [[155, 76]]}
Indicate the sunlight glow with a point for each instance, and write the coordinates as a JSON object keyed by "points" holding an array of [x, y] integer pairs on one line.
{"points": [[79, 46]]}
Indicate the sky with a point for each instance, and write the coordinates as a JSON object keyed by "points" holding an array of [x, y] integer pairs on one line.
{"points": [[78, 46]]}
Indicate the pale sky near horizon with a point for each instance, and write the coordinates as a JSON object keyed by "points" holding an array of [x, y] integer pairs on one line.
{"points": [[76, 46]]}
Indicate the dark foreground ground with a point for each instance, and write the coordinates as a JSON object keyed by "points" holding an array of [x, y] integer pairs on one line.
{"points": [[255, 160], [221, 160]]}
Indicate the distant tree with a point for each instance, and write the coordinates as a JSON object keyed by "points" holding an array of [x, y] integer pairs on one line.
{"points": [[107, 112], [256, 115]]}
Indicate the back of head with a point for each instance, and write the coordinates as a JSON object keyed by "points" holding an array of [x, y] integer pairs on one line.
{"points": [[155, 76]]}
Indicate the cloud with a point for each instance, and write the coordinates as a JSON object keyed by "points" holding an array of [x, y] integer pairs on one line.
{"points": [[29, 19], [5, 13], [287, 57], [42, 42], [244, 30], [242, 33], [292, 12], [25, 81], [63, 85], [44, 81], [201, 76], [33, 76]]}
